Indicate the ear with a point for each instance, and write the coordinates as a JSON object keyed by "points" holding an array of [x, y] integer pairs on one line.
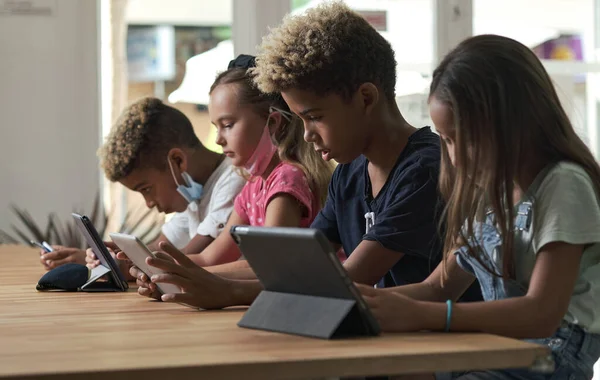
{"points": [[368, 96], [178, 158], [275, 122]]}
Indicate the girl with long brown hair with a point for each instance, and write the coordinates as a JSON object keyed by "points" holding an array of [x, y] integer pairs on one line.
{"points": [[522, 213]]}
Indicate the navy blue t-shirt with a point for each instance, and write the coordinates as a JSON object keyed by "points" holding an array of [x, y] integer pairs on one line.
{"points": [[406, 211]]}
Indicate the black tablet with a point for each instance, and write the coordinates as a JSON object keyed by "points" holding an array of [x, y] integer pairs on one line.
{"points": [[301, 261], [94, 240]]}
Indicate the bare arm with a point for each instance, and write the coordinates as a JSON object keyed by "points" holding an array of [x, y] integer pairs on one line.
{"points": [[208, 290], [282, 211], [237, 270], [537, 314], [431, 289], [370, 261], [223, 249], [197, 244], [199, 287]]}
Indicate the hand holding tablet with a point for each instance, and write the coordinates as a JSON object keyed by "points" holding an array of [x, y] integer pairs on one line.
{"points": [[137, 252]]}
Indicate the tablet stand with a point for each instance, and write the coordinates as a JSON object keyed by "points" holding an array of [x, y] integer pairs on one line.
{"points": [[319, 317], [93, 285]]}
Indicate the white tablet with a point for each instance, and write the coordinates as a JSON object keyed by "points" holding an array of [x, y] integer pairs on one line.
{"points": [[137, 253]]}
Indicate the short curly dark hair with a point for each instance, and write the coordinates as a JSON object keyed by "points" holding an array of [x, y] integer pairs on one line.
{"points": [[329, 49], [143, 136]]}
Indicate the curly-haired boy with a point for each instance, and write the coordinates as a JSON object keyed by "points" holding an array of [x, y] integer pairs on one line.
{"points": [[153, 150], [339, 74]]}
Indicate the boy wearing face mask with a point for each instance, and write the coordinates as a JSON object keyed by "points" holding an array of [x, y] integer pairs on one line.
{"points": [[153, 150]]}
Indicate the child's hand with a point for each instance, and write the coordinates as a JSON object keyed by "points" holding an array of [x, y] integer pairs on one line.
{"points": [[112, 246], [200, 288], [91, 261], [42, 253], [146, 288], [60, 256], [394, 312]]}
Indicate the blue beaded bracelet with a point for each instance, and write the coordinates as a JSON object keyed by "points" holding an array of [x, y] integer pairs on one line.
{"points": [[448, 314]]}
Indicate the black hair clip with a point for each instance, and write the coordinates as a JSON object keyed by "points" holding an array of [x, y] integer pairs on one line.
{"points": [[242, 61]]}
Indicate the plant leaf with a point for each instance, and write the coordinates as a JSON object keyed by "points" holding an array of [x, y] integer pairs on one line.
{"points": [[49, 227], [6, 238], [73, 236], [95, 210], [58, 230], [67, 233], [102, 227], [28, 221], [21, 235], [100, 220], [123, 227]]}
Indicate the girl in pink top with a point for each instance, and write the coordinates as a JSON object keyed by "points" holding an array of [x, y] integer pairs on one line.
{"points": [[287, 179]]}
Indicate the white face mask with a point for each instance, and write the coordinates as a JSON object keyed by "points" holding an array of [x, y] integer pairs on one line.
{"points": [[192, 190]]}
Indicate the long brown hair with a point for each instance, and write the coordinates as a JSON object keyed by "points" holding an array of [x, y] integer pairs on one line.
{"points": [[289, 138], [505, 111]]}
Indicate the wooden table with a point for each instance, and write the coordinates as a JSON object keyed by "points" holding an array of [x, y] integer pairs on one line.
{"points": [[55, 335]]}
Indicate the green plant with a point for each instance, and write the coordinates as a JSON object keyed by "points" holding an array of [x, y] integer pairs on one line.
{"points": [[68, 234]]}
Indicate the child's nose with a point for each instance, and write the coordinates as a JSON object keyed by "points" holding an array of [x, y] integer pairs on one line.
{"points": [[150, 203], [309, 135], [220, 140]]}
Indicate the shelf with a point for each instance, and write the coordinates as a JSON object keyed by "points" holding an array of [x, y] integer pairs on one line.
{"points": [[556, 67]]}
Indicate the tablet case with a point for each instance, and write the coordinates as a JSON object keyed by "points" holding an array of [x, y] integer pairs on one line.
{"points": [[115, 280], [68, 277], [306, 289]]}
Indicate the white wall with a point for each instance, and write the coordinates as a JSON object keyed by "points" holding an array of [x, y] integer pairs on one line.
{"points": [[49, 110]]}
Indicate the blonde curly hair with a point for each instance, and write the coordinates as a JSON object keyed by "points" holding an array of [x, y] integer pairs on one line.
{"points": [[329, 49], [142, 137]]}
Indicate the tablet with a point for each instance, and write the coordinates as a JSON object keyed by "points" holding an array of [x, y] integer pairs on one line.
{"points": [[299, 261], [137, 252], [95, 242]]}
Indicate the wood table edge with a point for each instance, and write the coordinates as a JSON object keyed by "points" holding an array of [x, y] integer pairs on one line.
{"points": [[528, 357]]}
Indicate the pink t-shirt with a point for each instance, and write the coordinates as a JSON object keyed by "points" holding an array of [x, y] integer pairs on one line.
{"points": [[251, 203]]}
